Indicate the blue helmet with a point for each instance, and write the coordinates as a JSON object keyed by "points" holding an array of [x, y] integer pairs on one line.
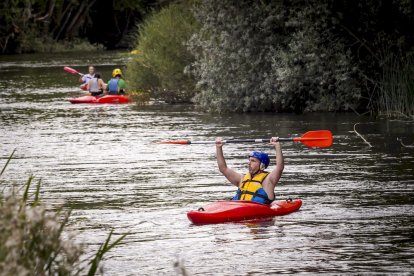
{"points": [[263, 157]]}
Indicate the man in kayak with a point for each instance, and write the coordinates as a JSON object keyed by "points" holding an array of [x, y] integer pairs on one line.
{"points": [[87, 77], [257, 184], [116, 85]]}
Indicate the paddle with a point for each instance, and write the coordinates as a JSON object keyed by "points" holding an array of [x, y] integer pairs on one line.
{"points": [[313, 139], [71, 70]]}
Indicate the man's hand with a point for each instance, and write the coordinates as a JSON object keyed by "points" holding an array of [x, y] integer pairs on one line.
{"points": [[219, 142], [274, 141]]}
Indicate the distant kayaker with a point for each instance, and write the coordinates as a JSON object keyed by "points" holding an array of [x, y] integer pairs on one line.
{"points": [[87, 77], [96, 85], [116, 85], [257, 184]]}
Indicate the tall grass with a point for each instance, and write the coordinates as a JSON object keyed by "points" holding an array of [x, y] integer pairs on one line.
{"points": [[395, 89], [31, 236]]}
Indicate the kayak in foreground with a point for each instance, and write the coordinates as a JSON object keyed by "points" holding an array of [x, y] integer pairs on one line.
{"points": [[237, 210], [107, 99]]}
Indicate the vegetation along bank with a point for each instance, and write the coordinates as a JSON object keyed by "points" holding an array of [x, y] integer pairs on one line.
{"points": [[239, 56], [278, 56]]}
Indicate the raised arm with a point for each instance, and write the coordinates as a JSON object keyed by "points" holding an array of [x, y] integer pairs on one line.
{"points": [[275, 175], [232, 176]]}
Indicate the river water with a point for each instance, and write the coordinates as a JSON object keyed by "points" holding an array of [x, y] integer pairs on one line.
{"points": [[358, 201]]}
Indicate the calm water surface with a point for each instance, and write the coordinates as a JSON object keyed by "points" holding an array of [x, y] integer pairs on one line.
{"points": [[357, 215]]}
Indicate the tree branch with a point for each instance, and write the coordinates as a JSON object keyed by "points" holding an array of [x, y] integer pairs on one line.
{"points": [[361, 136]]}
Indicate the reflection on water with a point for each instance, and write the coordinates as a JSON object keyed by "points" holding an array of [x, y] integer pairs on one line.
{"points": [[357, 215]]}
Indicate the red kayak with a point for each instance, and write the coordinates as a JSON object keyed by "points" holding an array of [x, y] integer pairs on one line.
{"points": [[237, 210], [107, 99]]}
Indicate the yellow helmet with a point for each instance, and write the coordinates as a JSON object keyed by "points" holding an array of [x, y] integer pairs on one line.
{"points": [[116, 72]]}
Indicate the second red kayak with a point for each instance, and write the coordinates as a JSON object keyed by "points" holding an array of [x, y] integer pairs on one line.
{"points": [[237, 210], [107, 99]]}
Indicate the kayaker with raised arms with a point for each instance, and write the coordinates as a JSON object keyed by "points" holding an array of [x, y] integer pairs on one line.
{"points": [[257, 184]]}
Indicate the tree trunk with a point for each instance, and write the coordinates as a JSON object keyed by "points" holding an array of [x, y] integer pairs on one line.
{"points": [[79, 17]]}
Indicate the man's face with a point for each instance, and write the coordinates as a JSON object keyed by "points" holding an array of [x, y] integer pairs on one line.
{"points": [[254, 165], [91, 70]]}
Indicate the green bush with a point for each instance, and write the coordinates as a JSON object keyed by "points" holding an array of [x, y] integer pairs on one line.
{"points": [[161, 54], [314, 72]]}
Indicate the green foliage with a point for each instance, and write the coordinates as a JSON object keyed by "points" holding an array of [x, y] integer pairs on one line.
{"points": [[233, 51], [38, 26], [270, 56], [48, 45], [314, 72], [31, 241], [161, 55]]}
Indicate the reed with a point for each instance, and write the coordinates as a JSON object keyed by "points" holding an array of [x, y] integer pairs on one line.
{"points": [[103, 249], [395, 89], [31, 236]]}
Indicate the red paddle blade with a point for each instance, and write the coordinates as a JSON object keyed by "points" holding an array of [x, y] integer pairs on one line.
{"points": [[316, 139], [180, 142], [70, 70]]}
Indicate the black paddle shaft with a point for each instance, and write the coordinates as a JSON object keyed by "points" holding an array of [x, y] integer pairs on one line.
{"points": [[264, 140]]}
